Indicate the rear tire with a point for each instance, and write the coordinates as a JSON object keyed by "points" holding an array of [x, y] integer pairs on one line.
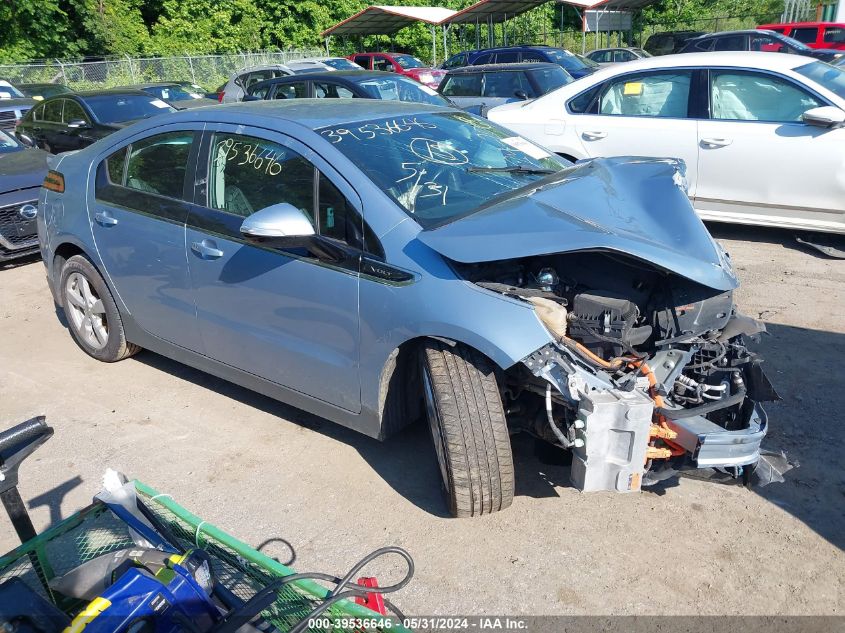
{"points": [[92, 315], [468, 428]]}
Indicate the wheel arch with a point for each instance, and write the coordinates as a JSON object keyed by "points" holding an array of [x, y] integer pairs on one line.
{"points": [[61, 254]]}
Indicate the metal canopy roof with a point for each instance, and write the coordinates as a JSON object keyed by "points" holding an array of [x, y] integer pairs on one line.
{"points": [[386, 20], [493, 10], [609, 5]]}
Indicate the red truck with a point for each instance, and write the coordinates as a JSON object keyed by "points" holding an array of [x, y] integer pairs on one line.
{"points": [[813, 34], [401, 64]]}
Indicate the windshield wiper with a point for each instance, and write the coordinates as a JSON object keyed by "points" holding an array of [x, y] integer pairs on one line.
{"points": [[515, 169]]}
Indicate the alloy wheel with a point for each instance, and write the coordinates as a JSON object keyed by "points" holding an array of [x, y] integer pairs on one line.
{"points": [[86, 311]]}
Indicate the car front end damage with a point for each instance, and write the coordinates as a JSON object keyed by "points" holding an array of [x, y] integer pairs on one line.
{"points": [[647, 371]]}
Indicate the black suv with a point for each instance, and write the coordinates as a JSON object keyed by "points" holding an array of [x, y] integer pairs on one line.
{"points": [[669, 42]]}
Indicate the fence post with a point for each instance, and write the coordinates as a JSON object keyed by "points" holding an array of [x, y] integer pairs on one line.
{"points": [[191, 64], [131, 67], [62, 67]]}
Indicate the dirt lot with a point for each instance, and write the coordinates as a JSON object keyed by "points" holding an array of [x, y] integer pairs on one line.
{"points": [[262, 470]]}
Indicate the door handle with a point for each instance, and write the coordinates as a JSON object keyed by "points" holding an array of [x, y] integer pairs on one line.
{"points": [[207, 249], [716, 142], [104, 219], [593, 136]]}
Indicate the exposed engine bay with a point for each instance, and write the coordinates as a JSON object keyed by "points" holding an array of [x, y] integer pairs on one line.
{"points": [[648, 373]]}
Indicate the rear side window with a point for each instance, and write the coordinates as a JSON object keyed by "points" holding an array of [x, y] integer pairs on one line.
{"points": [[730, 43], [834, 35], [464, 85], [705, 45], [804, 34], [507, 57], [158, 164], [662, 94], [622, 56], [380, 62], [585, 103], [485, 58]]}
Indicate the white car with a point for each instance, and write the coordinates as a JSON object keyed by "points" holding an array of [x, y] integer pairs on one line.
{"points": [[239, 82], [762, 134]]}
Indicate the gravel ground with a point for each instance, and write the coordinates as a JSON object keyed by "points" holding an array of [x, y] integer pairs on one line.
{"points": [[319, 496]]}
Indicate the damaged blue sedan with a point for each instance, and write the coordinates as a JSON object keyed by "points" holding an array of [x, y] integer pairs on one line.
{"points": [[378, 263]]}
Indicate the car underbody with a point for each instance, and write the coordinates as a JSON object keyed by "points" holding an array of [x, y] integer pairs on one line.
{"points": [[648, 372]]}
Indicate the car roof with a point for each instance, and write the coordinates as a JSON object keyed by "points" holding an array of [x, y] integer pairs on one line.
{"points": [[463, 70], [751, 59], [737, 32], [349, 75], [310, 113], [40, 83], [801, 24], [615, 48], [101, 93]]}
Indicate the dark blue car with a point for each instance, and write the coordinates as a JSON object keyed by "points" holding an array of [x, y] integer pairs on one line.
{"points": [[574, 64]]}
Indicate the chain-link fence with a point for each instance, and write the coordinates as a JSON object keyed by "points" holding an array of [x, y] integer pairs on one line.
{"points": [[532, 28], [208, 71]]}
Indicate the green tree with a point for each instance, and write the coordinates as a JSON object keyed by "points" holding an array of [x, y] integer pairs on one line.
{"points": [[34, 29], [207, 26]]}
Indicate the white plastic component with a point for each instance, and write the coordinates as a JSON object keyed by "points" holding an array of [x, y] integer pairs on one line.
{"points": [[615, 434]]}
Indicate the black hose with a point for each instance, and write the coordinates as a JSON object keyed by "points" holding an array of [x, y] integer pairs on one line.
{"points": [[678, 414], [267, 595]]}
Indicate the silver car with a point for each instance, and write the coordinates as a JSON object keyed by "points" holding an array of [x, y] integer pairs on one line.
{"points": [[239, 82]]}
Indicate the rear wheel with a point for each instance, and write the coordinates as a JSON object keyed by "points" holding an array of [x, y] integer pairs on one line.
{"points": [[468, 428], [92, 315]]}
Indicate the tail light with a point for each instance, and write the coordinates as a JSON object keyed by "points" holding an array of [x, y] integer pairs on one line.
{"points": [[54, 182], [220, 96]]}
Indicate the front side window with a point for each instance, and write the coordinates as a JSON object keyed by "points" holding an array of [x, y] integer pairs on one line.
{"points": [[157, 164], [749, 96], [53, 111], [363, 61], [293, 90], [116, 167], [485, 58], [331, 90], [247, 174], [602, 57], [805, 35], [705, 45], [8, 143], [74, 112], [622, 56], [38, 113], [455, 61], [663, 94], [548, 79], [505, 84], [462, 85], [439, 166], [766, 43], [380, 62]]}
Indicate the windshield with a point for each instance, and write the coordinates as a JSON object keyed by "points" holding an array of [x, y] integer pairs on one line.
{"points": [[441, 166], [570, 61], [793, 43], [641, 52], [122, 108], [341, 64], [8, 91], [548, 79], [42, 91], [827, 76], [401, 89], [8, 143], [407, 61], [171, 93]]}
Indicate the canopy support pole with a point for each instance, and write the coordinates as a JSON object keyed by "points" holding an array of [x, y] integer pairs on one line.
{"points": [[433, 45]]}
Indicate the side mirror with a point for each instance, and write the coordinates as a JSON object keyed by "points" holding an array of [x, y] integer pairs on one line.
{"points": [[79, 124], [284, 226], [825, 116], [521, 94]]}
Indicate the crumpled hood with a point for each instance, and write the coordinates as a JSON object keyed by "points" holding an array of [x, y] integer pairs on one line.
{"points": [[628, 205], [23, 169]]}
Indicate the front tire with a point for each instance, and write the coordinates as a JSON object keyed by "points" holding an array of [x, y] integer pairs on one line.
{"points": [[92, 315], [468, 428]]}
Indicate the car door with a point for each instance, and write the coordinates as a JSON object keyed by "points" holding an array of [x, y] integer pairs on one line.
{"points": [[640, 114], [757, 157], [138, 211], [282, 315]]}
